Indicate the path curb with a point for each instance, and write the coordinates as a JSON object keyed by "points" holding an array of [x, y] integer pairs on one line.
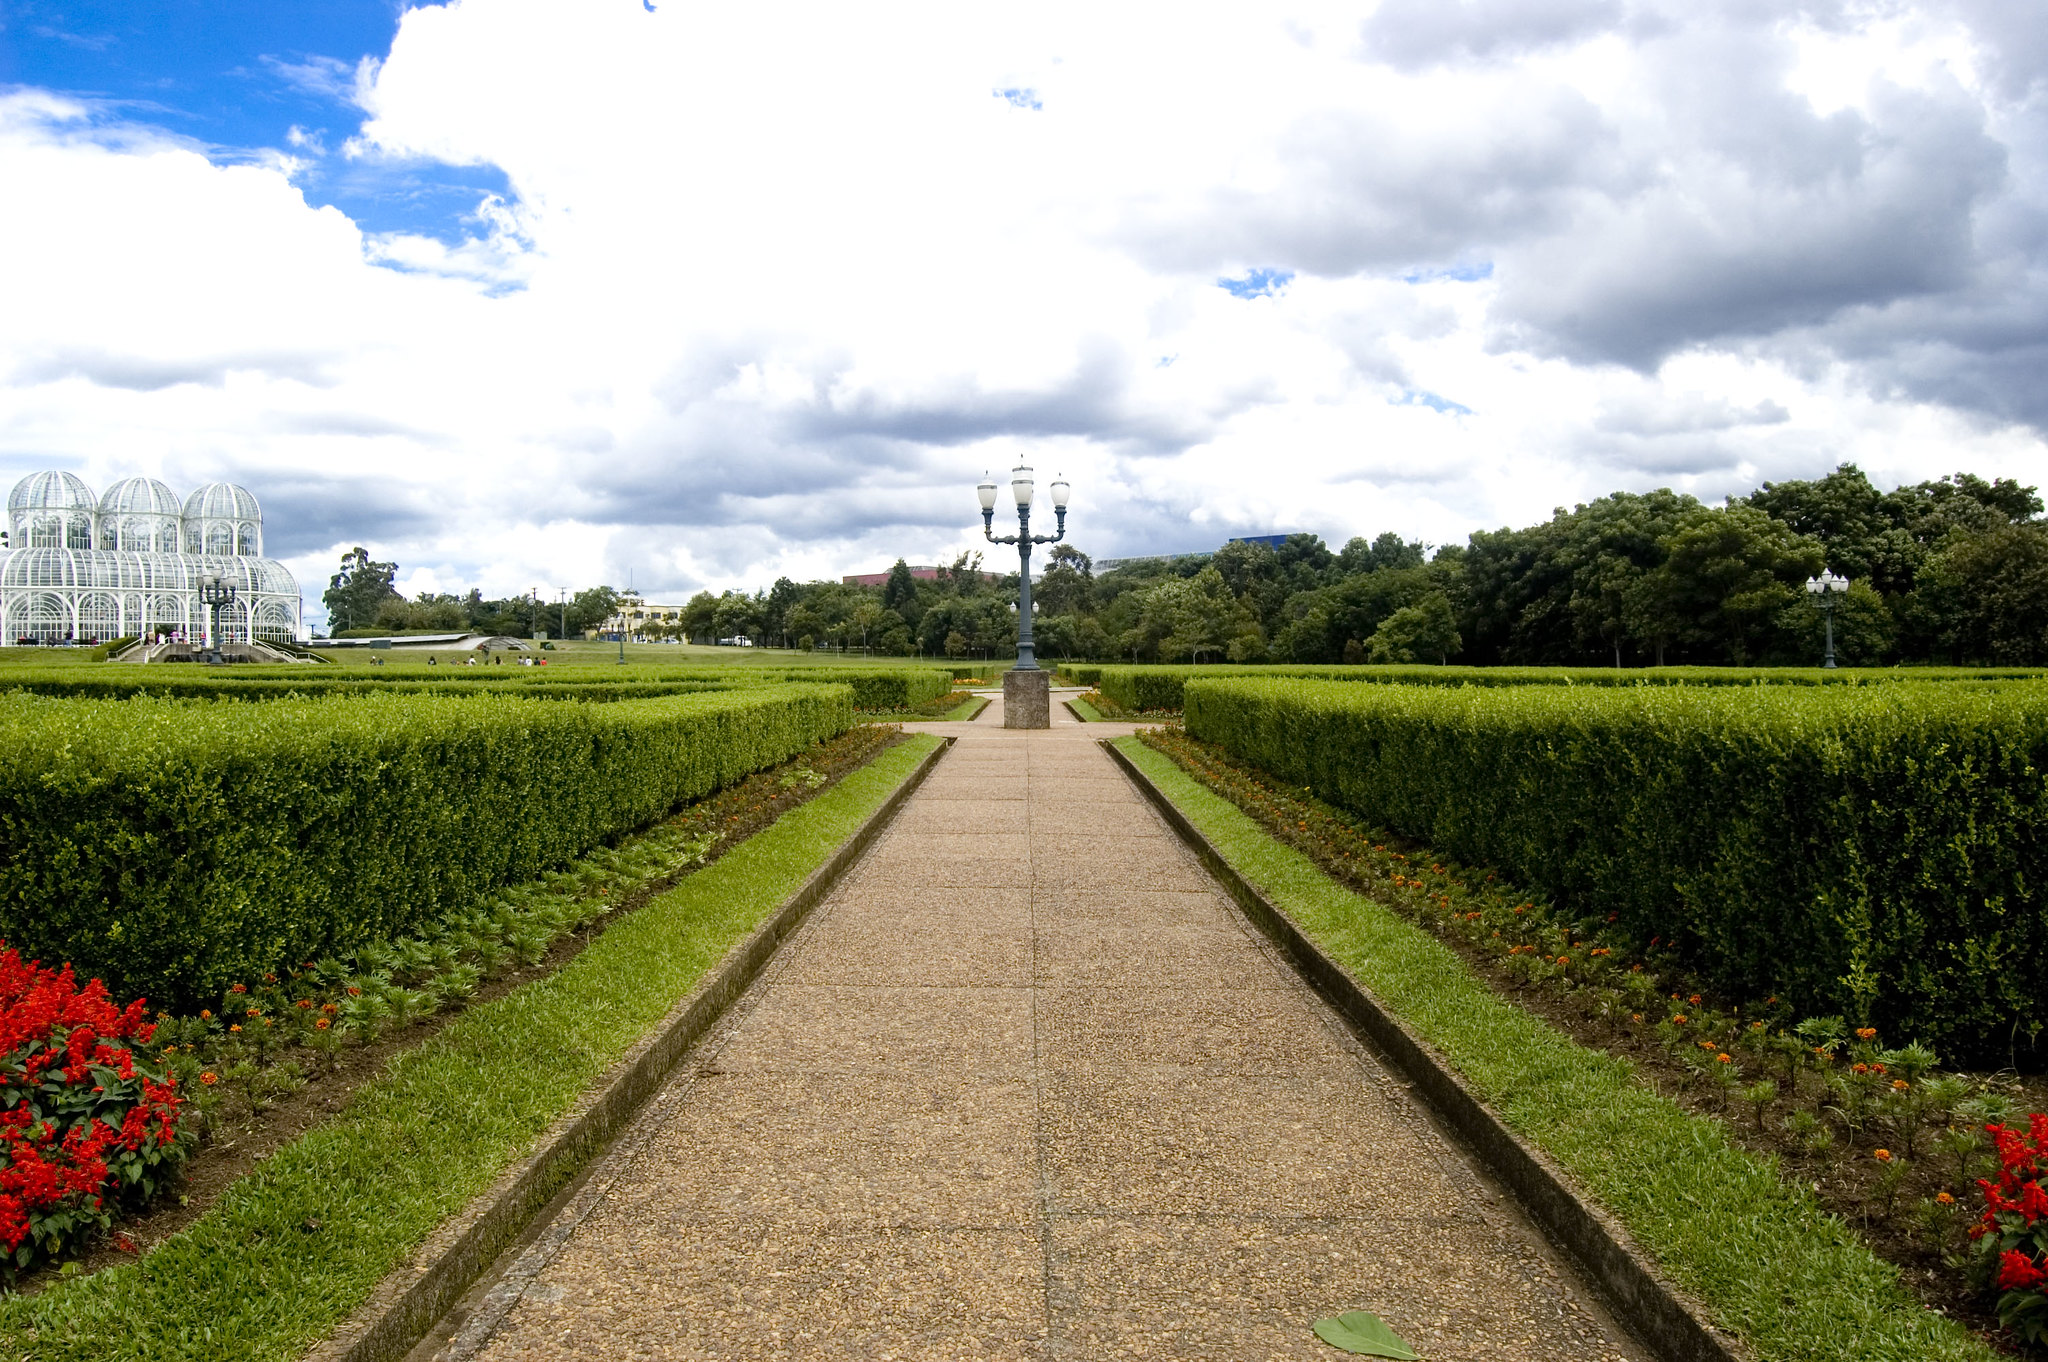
{"points": [[412, 1299], [1648, 1306]]}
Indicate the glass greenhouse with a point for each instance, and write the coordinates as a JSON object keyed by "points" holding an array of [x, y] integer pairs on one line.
{"points": [[80, 568]]}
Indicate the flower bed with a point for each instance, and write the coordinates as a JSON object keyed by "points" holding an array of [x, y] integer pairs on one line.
{"points": [[87, 1129]]}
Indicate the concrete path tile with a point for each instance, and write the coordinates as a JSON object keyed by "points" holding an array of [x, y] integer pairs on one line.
{"points": [[1308, 1144], [1239, 1288], [1157, 906], [860, 1149], [1025, 1087], [964, 815], [907, 954], [1177, 956], [1269, 1030], [824, 1028], [738, 1292]]}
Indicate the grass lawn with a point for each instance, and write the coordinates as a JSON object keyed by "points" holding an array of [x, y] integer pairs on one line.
{"points": [[1089, 713], [967, 709], [290, 1250], [1792, 1281]]}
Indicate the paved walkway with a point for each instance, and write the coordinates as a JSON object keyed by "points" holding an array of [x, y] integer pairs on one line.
{"points": [[1026, 1087]]}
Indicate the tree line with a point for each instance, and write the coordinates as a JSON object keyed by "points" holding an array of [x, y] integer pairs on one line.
{"points": [[361, 598], [1953, 570]]}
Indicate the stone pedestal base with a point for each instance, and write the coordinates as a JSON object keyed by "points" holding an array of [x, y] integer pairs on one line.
{"points": [[1027, 699]]}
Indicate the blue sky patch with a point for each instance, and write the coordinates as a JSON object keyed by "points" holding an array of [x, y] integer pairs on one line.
{"points": [[238, 77], [1020, 97], [1462, 274], [1260, 283], [1417, 397]]}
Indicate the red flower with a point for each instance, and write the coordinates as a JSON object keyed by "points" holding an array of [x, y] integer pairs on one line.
{"points": [[2018, 1272]]}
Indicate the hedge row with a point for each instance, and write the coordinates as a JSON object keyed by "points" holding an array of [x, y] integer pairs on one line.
{"points": [[873, 689], [173, 849], [1159, 688], [1879, 852]]}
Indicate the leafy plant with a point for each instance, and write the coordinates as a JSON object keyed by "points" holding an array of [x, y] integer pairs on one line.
{"points": [[2012, 1236]]}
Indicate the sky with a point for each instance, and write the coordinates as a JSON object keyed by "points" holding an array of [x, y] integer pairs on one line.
{"points": [[525, 294]]}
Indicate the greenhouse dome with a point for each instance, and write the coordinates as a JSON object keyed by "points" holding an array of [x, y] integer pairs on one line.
{"points": [[221, 518], [88, 569], [141, 514], [54, 510]]}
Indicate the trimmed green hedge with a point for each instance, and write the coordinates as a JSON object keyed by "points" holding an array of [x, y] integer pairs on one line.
{"points": [[874, 689], [173, 849], [1159, 687], [1875, 851]]}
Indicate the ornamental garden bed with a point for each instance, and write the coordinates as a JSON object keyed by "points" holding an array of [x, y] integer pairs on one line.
{"points": [[1884, 1138]]}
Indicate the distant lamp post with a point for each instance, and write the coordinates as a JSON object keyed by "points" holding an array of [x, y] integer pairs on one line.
{"points": [[1826, 590], [1027, 693], [215, 595]]}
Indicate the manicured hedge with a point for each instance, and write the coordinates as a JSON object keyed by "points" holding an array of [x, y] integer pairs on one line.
{"points": [[876, 689], [1875, 851], [174, 848], [194, 683], [1159, 687]]}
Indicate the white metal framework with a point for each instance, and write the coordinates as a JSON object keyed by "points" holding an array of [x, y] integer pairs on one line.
{"points": [[85, 569]]}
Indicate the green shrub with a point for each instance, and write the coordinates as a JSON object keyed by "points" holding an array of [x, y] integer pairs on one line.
{"points": [[875, 690], [1159, 687], [1873, 851], [173, 848]]}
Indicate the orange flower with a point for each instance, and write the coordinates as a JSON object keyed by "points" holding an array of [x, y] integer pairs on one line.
{"points": [[255, 1011], [1723, 1059], [322, 1024], [235, 1027], [205, 1015], [1866, 1033], [1678, 1020], [1694, 1000], [1636, 1017], [1944, 1199], [209, 1079], [303, 1002], [1881, 1155]]}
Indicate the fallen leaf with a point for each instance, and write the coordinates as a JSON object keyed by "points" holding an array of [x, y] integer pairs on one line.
{"points": [[1364, 1333]]}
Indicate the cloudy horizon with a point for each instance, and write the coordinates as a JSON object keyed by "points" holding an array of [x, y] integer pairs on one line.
{"points": [[528, 295]]}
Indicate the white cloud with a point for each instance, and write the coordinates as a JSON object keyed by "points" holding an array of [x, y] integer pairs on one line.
{"points": [[771, 285]]}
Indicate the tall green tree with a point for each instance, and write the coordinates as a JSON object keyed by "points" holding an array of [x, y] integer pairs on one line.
{"points": [[356, 592]]}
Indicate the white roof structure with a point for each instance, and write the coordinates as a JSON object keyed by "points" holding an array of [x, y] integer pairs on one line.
{"points": [[85, 569]]}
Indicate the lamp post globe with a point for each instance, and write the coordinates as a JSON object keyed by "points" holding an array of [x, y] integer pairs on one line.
{"points": [[1022, 489], [1823, 590]]}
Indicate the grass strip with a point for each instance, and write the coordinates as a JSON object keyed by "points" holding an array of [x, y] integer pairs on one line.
{"points": [[1771, 1266], [967, 709], [291, 1249], [1089, 713]]}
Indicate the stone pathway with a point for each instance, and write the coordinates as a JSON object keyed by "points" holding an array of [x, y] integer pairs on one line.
{"points": [[1026, 1087]]}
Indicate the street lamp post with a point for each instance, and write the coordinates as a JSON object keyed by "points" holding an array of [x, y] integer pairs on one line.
{"points": [[1825, 589], [1027, 692], [214, 594]]}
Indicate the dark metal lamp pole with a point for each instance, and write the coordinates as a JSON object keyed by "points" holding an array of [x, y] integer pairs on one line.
{"points": [[1824, 589], [215, 594], [1021, 488]]}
